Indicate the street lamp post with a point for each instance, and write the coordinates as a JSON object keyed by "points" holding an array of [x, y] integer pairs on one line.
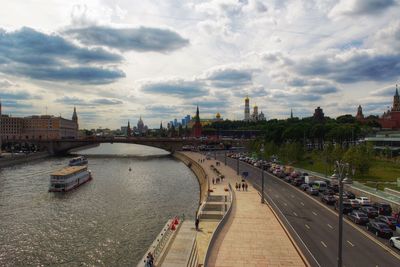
{"points": [[237, 166], [262, 174], [341, 172]]}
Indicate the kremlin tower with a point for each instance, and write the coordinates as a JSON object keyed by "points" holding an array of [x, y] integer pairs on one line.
{"points": [[391, 118], [196, 129], [247, 109]]}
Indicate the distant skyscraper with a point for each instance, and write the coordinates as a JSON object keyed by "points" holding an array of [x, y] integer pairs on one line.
{"points": [[291, 113], [187, 119], [140, 126], [128, 129], [176, 122], [247, 109]]}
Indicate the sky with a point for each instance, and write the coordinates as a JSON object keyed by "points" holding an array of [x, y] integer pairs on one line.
{"points": [[119, 60]]}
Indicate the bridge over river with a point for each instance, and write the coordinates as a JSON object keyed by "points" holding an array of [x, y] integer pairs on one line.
{"points": [[170, 144]]}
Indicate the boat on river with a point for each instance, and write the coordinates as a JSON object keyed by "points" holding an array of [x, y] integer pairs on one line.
{"points": [[78, 161], [69, 178]]}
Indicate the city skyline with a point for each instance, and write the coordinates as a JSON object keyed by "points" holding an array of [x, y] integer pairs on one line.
{"points": [[164, 58]]}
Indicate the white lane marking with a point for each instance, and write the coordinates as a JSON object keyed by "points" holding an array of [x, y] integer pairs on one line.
{"points": [[359, 229], [308, 227], [291, 226], [351, 244], [284, 204], [330, 226], [314, 213], [322, 242], [302, 203], [294, 213]]}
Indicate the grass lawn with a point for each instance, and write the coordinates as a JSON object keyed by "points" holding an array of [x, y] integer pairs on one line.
{"points": [[380, 170]]}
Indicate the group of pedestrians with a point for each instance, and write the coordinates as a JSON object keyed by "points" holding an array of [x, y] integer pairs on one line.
{"points": [[218, 179], [201, 160], [242, 185], [149, 260]]}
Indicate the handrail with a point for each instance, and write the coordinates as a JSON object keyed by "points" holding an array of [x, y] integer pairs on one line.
{"points": [[220, 225], [161, 240]]}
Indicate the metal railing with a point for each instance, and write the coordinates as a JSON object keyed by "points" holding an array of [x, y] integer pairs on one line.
{"points": [[161, 240]]}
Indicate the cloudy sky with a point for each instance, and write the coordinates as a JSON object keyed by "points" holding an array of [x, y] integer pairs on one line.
{"points": [[117, 60]]}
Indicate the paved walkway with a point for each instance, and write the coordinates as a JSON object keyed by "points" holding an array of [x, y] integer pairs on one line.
{"points": [[253, 236]]}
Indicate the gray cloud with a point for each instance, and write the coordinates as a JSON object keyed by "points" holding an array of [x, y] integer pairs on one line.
{"points": [[385, 91], [361, 7], [18, 95], [106, 101], [13, 104], [76, 101], [354, 66], [142, 39], [33, 54], [230, 77], [179, 88]]}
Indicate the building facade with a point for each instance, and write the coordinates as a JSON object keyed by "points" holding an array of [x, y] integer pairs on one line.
{"points": [[43, 127], [319, 115], [391, 118], [255, 116], [360, 116]]}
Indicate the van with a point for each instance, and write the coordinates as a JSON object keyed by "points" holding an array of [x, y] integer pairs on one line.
{"points": [[320, 185]]}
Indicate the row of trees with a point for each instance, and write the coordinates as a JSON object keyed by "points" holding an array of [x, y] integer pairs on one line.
{"points": [[342, 130], [359, 157]]}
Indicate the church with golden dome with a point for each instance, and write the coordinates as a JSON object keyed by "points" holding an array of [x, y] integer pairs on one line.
{"points": [[255, 116]]}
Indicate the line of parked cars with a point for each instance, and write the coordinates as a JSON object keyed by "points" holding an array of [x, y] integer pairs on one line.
{"points": [[377, 217]]}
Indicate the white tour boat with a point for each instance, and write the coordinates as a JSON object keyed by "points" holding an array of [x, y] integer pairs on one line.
{"points": [[69, 178], [78, 161]]}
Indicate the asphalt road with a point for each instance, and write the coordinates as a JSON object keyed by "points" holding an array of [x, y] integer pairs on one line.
{"points": [[314, 227]]}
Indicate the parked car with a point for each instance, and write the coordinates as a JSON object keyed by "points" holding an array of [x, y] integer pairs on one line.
{"points": [[389, 220], [312, 191], [358, 217], [355, 204], [334, 188], [304, 187], [379, 229], [370, 211], [320, 185], [349, 195], [328, 199], [383, 208], [364, 201], [395, 242], [298, 181], [287, 179], [347, 208]]}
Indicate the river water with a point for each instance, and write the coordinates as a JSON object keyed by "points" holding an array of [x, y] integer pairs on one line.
{"points": [[110, 221]]}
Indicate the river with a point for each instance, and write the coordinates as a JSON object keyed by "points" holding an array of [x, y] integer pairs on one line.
{"points": [[110, 221]]}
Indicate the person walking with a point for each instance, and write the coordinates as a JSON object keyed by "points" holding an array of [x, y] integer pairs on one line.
{"points": [[243, 186], [236, 186], [247, 186], [213, 180], [197, 222]]}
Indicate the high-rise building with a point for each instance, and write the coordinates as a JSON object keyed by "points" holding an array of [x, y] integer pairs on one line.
{"points": [[140, 126], [128, 129], [246, 109]]}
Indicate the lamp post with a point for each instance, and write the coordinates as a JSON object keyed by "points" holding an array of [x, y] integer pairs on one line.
{"points": [[237, 166], [341, 172], [262, 174]]}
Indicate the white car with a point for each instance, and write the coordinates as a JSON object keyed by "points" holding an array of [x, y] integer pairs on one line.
{"points": [[363, 201], [395, 242]]}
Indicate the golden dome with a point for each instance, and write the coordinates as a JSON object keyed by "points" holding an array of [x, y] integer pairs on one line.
{"points": [[247, 98], [218, 116]]}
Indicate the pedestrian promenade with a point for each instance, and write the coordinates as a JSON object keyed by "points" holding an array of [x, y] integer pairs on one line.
{"points": [[253, 236]]}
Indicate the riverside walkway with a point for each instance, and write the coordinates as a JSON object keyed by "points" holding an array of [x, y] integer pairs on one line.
{"points": [[252, 236]]}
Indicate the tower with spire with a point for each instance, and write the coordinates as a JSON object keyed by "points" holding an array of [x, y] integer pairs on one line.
{"points": [[291, 113], [128, 130], [360, 115], [247, 109], [391, 118], [196, 130], [396, 101], [75, 120]]}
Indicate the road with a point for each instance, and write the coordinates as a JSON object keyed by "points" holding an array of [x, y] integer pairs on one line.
{"points": [[314, 226]]}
